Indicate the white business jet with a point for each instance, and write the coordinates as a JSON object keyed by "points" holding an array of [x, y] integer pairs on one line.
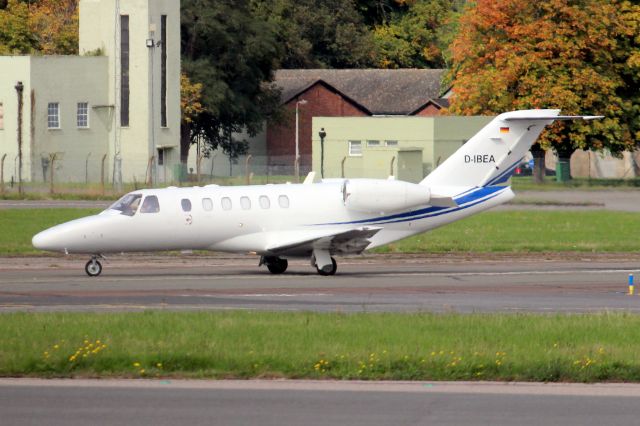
{"points": [[316, 219]]}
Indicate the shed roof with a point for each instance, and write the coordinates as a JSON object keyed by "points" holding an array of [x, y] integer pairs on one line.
{"points": [[380, 91]]}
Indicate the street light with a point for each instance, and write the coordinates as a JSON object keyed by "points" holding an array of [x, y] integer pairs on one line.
{"points": [[296, 164], [322, 135]]}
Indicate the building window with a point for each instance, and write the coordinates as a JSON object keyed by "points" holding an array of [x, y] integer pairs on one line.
{"points": [[226, 203], [355, 148], [124, 70], [53, 115], [1, 116], [163, 71], [207, 204], [160, 157], [264, 202], [245, 203], [83, 115], [372, 144], [283, 201], [391, 143]]}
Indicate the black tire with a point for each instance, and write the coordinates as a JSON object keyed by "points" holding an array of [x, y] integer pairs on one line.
{"points": [[278, 266], [93, 268], [334, 268]]}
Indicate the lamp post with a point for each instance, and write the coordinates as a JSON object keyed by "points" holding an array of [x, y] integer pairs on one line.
{"points": [[322, 135], [296, 164]]}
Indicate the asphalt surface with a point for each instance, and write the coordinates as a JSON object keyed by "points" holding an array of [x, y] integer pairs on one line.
{"points": [[278, 403], [373, 283]]}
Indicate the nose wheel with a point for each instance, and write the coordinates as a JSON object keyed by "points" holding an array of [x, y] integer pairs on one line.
{"points": [[93, 268]]}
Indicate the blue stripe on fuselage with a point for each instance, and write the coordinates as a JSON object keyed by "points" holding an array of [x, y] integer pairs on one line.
{"points": [[464, 200]]}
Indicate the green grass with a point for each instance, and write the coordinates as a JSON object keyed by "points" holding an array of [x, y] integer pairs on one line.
{"points": [[525, 183], [242, 344], [530, 231], [20, 225], [514, 231]]}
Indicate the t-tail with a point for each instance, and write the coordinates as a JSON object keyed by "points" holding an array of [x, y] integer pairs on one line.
{"points": [[491, 156]]}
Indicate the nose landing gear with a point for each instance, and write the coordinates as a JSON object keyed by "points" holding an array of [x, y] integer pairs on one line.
{"points": [[276, 265], [93, 268]]}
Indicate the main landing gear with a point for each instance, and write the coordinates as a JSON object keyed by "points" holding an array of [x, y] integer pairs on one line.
{"points": [[276, 265], [324, 263], [93, 268]]}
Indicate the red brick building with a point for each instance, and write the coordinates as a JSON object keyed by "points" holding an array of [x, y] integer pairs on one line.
{"points": [[347, 93]]}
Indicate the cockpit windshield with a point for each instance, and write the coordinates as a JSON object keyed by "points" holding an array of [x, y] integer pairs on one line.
{"points": [[128, 204]]}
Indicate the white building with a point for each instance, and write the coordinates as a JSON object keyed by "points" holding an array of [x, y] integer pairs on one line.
{"points": [[113, 111]]}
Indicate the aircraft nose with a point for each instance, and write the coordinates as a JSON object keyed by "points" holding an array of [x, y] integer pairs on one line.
{"points": [[47, 240]]}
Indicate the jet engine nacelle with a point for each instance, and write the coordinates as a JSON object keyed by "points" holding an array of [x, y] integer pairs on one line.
{"points": [[375, 196]]}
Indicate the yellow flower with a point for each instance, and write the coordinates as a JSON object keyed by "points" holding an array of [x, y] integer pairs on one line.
{"points": [[159, 365], [136, 364]]}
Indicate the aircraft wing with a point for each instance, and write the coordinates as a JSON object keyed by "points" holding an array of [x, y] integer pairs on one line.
{"points": [[301, 244]]}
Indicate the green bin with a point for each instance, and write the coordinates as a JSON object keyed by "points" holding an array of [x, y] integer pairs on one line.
{"points": [[563, 171]]}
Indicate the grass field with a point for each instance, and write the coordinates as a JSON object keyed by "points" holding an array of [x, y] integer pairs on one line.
{"points": [[241, 344], [515, 231]]}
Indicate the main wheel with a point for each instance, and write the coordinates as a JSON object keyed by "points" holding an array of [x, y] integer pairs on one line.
{"points": [[277, 266], [93, 268], [334, 268]]}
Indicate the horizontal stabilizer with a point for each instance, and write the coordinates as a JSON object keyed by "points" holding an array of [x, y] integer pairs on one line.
{"points": [[558, 117]]}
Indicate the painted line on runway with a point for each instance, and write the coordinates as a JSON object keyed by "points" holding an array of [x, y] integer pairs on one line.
{"points": [[118, 280]]}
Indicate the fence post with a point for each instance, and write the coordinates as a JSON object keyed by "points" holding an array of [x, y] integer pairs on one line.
{"points": [[247, 169], [2, 174], [149, 171], [342, 165], [199, 166], [86, 169], [104, 158], [393, 159], [52, 159]]}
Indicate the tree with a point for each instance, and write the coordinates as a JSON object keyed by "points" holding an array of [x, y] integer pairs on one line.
{"points": [[233, 54], [55, 26], [48, 27], [191, 107], [511, 54], [15, 34], [419, 35], [318, 33]]}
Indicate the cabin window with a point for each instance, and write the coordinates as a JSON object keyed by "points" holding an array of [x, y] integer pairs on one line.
{"points": [[373, 143], [391, 143], [207, 204], [226, 203], [150, 205], [283, 201], [245, 203], [264, 202], [355, 148], [128, 204], [186, 205]]}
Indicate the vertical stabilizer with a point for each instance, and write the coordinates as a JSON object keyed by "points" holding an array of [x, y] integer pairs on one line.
{"points": [[491, 156]]}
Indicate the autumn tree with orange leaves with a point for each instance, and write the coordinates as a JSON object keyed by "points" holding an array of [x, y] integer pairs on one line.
{"points": [[567, 54], [48, 27]]}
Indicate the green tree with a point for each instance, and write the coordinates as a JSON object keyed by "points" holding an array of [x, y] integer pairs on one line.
{"points": [[562, 54], [16, 37], [418, 35], [232, 53], [318, 33]]}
